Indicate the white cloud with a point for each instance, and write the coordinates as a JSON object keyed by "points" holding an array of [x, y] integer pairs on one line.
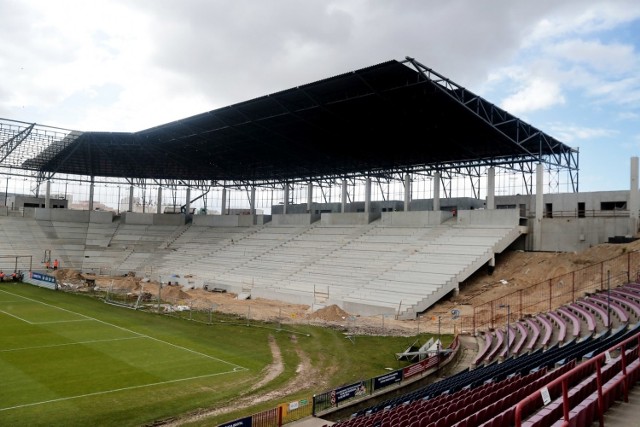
{"points": [[570, 133], [612, 57], [124, 65], [535, 94], [582, 18]]}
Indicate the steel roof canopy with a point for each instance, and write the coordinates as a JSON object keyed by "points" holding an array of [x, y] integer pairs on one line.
{"points": [[394, 116]]}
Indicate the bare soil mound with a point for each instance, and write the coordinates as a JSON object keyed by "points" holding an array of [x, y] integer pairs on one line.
{"points": [[331, 313]]}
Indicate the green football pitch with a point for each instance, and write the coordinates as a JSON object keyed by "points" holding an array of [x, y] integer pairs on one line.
{"points": [[72, 360]]}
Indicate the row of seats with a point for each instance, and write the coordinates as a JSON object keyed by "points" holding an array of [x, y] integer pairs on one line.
{"points": [[484, 396], [578, 319]]}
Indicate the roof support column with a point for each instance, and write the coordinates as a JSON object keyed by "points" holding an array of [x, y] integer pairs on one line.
{"points": [[367, 195], [47, 195], [407, 191], [491, 188], [436, 191], [537, 225], [91, 191], [286, 198], [309, 196], [252, 201], [159, 208], [187, 202], [634, 200], [343, 205], [130, 198], [223, 202]]}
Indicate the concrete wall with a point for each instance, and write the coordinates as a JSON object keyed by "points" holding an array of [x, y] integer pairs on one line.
{"points": [[459, 203], [566, 204], [291, 298], [577, 234], [137, 218], [18, 202], [28, 212], [294, 219], [564, 228], [366, 309], [415, 219], [228, 220], [161, 219], [263, 219], [383, 206], [353, 218], [101, 217], [152, 219], [62, 215], [489, 217]]}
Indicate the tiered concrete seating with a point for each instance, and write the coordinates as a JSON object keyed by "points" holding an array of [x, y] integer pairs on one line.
{"points": [[559, 324], [616, 310], [436, 268], [586, 315], [535, 333], [596, 309], [22, 236], [367, 269], [571, 317]]}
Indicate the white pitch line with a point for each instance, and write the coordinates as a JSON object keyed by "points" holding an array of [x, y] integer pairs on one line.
{"points": [[60, 321], [17, 317], [130, 331], [97, 393], [40, 347]]}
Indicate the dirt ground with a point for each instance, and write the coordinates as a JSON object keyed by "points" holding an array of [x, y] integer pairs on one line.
{"points": [[514, 270]]}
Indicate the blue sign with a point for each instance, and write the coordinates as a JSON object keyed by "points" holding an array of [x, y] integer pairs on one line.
{"points": [[387, 379], [43, 277], [244, 422]]}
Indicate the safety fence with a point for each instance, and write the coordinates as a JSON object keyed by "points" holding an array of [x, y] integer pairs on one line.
{"points": [[552, 293], [340, 396]]}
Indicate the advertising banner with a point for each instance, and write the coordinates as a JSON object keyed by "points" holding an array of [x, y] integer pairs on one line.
{"points": [[387, 379], [347, 392], [244, 422]]}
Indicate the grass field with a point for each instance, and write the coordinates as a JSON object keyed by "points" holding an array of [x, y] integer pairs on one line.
{"points": [[72, 360]]}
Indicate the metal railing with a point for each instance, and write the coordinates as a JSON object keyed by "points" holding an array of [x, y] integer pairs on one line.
{"points": [[555, 292]]}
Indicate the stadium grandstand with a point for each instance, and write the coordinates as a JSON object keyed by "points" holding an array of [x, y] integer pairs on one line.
{"points": [[380, 190]]}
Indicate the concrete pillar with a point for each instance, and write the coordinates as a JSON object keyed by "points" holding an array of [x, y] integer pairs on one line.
{"points": [[223, 202], [537, 224], [159, 208], [286, 198], [131, 198], [309, 197], [252, 201], [436, 191], [188, 201], [343, 205], [407, 192], [47, 195], [91, 192], [491, 188], [367, 195], [634, 200]]}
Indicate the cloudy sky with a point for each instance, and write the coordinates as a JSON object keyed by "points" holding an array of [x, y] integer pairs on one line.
{"points": [[570, 68]]}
